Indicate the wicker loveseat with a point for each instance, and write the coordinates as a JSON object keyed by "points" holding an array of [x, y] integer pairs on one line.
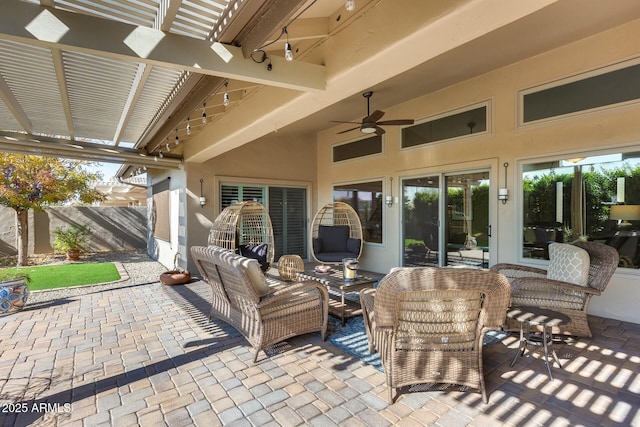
{"points": [[265, 316], [531, 286], [428, 324]]}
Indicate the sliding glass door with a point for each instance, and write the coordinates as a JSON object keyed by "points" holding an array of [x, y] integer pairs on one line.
{"points": [[446, 220]]}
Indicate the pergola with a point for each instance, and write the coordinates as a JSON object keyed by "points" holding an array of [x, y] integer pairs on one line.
{"points": [[128, 81]]}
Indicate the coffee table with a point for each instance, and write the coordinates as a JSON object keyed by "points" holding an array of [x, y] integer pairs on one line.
{"points": [[334, 280], [535, 316]]}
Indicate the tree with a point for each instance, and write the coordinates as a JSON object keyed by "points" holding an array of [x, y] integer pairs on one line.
{"points": [[35, 182]]}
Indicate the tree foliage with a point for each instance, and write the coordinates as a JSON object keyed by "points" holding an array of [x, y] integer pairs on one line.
{"points": [[35, 182]]}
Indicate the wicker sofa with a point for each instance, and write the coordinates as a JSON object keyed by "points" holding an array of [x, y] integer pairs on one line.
{"points": [[428, 324], [264, 315]]}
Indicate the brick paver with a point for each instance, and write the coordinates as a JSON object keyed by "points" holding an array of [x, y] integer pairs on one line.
{"points": [[147, 355]]}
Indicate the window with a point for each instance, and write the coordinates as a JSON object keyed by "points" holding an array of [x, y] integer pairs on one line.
{"points": [[588, 93], [451, 126], [366, 199], [231, 194], [361, 148], [594, 198]]}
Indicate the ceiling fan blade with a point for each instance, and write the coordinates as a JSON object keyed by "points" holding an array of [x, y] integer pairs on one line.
{"points": [[340, 121], [347, 130], [397, 122], [380, 131], [374, 117]]}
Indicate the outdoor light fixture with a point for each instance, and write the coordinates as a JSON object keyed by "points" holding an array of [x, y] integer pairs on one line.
{"points": [[503, 193], [204, 113], [389, 199], [225, 97], [177, 138], [350, 5], [202, 199], [188, 126]]}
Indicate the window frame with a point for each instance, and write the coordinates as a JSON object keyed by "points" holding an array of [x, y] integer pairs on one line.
{"points": [[520, 196], [487, 104], [360, 215], [594, 72]]}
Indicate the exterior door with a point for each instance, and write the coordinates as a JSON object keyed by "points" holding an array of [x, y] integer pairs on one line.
{"points": [[446, 220], [288, 212], [466, 225]]}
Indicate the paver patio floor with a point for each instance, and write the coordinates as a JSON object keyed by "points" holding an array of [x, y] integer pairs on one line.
{"points": [[146, 355]]}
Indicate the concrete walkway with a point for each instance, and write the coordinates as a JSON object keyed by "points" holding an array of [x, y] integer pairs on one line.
{"points": [[147, 355]]}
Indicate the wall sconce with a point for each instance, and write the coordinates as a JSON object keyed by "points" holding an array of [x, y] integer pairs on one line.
{"points": [[503, 193], [389, 199], [203, 200]]}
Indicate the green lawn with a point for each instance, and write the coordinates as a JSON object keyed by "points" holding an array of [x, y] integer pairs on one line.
{"points": [[65, 275]]}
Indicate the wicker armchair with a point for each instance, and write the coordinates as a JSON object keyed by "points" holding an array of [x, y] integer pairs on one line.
{"points": [[428, 324], [531, 287], [336, 233], [291, 310]]}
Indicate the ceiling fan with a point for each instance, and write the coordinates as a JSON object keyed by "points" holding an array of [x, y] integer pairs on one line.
{"points": [[370, 123]]}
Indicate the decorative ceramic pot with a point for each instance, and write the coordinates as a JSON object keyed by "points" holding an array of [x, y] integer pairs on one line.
{"points": [[13, 296], [175, 277]]}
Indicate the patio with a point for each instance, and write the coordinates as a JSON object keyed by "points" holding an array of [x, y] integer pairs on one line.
{"points": [[145, 354]]}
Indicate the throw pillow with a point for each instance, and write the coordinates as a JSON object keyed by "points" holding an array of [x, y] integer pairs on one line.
{"points": [[568, 263], [257, 278], [257, 252]]}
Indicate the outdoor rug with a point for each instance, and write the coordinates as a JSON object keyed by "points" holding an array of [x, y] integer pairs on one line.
{"points": [[352, 339]]}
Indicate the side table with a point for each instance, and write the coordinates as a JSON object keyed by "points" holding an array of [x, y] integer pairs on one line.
{"points": [[534, 316]]}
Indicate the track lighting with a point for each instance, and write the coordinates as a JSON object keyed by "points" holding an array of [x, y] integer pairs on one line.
{"points": [[225, 97], [288, 54], [188, 126], [350, 5], [204, 113]]}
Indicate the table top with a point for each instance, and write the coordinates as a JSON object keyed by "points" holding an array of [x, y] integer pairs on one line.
{"points": [[335, 278], [538, 316]]}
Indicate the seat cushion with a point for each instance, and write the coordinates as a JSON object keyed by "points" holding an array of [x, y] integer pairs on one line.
{"points": [[333, 237], [568, 263]]}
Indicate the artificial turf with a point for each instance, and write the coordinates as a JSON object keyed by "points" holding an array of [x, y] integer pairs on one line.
{"points": [[65, 275]]}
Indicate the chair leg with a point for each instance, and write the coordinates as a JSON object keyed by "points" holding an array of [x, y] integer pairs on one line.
{"points": [[255, 358]]}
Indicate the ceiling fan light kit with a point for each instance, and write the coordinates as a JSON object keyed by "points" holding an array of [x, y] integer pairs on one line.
{"points": [[371, 124]]}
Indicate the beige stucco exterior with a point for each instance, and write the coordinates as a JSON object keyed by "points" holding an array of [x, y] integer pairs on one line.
{"points": [[300, 160]]}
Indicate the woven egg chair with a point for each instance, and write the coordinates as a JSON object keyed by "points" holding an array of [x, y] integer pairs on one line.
{"points": [[242, 226], [336, 233]]}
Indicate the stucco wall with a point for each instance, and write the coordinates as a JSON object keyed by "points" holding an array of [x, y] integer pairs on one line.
{"points": [[112, 228], [273, 160], [615, 128]]}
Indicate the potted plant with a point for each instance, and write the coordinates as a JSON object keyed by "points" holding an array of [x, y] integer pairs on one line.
{"points": [[71, 240], [14, 291]]}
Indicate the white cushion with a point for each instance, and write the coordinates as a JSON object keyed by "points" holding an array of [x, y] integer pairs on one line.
{"points": [[258, 280], [568, 263]]}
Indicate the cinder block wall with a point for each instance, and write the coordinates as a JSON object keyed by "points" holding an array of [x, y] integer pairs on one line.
{"points": [[112, 228]]}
